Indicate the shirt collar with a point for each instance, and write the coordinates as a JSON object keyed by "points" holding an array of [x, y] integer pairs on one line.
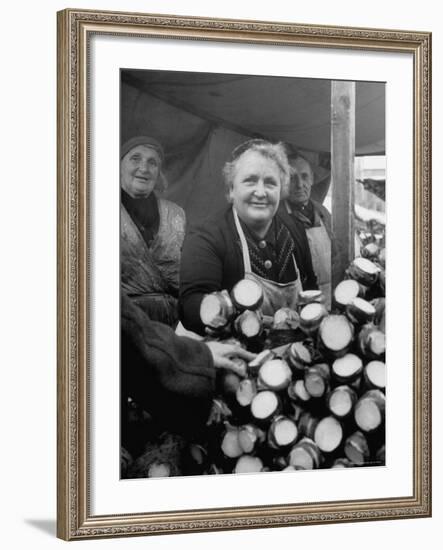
{"points": [[306, 213], [269, 238]]}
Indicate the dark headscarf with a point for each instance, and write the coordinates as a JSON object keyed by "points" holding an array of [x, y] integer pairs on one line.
{"points": [[142, 140]]}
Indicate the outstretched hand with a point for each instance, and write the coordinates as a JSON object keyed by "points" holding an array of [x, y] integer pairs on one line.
{"points": [[224, 356]]}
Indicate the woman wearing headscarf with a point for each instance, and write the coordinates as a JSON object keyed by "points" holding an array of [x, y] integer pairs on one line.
{"points": [[247, 239], [152, 231]]}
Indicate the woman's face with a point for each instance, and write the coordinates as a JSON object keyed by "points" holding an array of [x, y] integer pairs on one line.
{"points": [[139, 171], [255, 191]]}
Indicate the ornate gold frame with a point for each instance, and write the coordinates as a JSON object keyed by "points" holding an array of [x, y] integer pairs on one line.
{"points": [[75, 28]]}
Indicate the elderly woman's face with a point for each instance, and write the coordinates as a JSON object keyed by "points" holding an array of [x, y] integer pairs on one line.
{"points": [[256, 187], [139, 171]]}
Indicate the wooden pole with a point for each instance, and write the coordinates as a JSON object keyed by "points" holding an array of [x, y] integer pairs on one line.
{"points": [[342, 170]]}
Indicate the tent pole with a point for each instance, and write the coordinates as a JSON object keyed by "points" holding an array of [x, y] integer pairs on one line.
{"points": [[342, 172]]}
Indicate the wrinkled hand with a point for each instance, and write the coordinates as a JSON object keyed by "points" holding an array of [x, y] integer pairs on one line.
{"points": [[224, 356]]}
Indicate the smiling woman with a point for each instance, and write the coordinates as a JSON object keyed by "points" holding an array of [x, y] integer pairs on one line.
{"points": [[256, 179], [140, 169], [152, 231], [248, 239]]}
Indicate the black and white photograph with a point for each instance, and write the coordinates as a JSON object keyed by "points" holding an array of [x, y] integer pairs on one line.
{"points": [[252, 273], [234, 350]]}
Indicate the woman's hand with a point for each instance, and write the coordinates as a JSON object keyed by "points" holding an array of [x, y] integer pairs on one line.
{"points": [[224, 356]]}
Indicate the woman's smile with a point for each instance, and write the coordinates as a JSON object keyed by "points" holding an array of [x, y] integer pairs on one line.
{"points": [[139, 172], [255, 192]]}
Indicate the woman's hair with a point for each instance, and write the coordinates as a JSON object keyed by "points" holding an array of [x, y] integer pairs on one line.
{"points": [[272, 151]]}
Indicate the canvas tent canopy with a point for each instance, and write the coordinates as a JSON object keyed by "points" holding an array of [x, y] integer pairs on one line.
{"points": [[199, 118]]}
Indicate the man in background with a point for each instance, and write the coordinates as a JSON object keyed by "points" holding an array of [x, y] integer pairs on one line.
{"points": [[300, 208]]}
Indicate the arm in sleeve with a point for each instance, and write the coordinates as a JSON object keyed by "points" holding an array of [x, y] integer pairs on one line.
{"points": [[201, 273], [178, 364]]}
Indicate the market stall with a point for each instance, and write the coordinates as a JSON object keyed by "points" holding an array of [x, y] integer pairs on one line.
{"points": [[314, 396]]}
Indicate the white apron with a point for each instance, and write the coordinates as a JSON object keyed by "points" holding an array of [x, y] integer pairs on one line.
{"points": [[320, 247], [275, 295]]}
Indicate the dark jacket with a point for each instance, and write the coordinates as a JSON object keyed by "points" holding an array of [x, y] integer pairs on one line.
{"points": [[171, 377], [212, 260], [325, 217]]}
